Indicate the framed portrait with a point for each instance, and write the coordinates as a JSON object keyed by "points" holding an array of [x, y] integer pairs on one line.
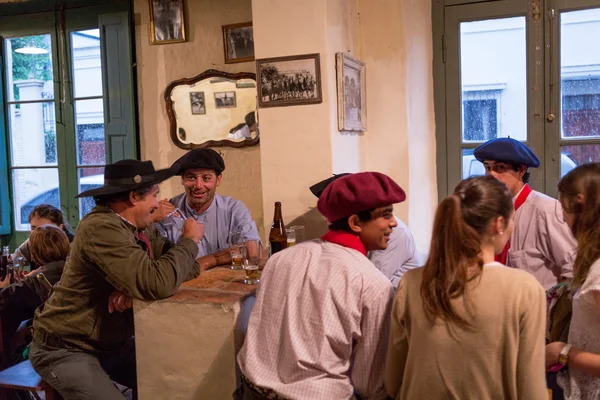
{"points": [[197, 103], [225, 100], [351, 93], [238, 42], [166, 21], [289, 81]]}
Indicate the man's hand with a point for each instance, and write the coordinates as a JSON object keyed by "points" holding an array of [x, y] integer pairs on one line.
{"points": [[193, 229], [214, 260], [119, 301], [164, 209], [5, 282]]}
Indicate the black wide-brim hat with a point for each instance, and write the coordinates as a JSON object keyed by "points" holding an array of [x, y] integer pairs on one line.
{"points": [[128, 175], [318, 188]]}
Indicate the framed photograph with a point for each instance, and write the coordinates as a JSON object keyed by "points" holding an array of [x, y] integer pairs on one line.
{"points": [[225, 100], [238, 42], [197, 103], [166, 21], [351, 93], [289, 81]]}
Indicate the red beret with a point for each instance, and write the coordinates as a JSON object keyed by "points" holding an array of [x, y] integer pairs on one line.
{"points": [[354, 193]]}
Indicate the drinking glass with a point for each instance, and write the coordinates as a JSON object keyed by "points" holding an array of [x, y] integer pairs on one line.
{"points": [[175, 219], [299, 230], [291, 237], [254, 254], [237, 256]]}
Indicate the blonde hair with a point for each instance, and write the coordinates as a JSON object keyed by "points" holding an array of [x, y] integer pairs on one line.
{"points": [[48, 243]]}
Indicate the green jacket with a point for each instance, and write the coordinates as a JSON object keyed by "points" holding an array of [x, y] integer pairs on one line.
{"points": [[107, 255]]}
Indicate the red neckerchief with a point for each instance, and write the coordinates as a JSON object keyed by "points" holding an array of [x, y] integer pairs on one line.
{"points": [[501, 258], [142, 236], [345, 239]]}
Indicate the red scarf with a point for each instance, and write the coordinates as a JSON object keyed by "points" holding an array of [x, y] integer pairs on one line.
{"points": [[501, 258], [345, 239], [144, 239]]}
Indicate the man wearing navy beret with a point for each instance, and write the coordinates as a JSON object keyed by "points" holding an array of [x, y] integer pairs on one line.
{"points": [[320, 324], [401, 253], [201, 171], [541, 242]]}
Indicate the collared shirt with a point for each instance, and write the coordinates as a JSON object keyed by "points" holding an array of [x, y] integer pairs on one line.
{"points": [[542, 243], [400, 256], [223, 216], [320, 324]]}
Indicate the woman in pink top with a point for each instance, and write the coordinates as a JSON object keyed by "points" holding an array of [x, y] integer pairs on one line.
{"points": [[579, 193]]}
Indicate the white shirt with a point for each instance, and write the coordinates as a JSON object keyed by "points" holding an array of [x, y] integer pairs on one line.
{"points": [[242, 133], [320, 324]]}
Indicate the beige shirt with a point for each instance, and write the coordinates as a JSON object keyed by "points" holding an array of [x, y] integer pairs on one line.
{"points": [[320, 324], [501, 357], [542, 243]]}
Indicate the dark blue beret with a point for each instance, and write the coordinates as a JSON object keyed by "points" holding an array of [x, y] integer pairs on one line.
{"points": [[199, 158], [507, 150]]}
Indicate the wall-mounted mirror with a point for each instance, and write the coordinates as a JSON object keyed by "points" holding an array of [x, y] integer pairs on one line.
{"points": [[213, 109]]}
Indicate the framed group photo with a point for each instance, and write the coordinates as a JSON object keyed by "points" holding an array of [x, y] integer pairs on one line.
{"points": [[166, 21], [289, 81], [238, 42], [351, 93], [225, 100]]}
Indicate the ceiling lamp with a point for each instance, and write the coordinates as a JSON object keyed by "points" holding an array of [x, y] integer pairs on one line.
{"points": [[31, 50]]}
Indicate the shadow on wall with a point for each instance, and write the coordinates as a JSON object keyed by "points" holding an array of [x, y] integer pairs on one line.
{"points": [[215, 384], [315, 225]]}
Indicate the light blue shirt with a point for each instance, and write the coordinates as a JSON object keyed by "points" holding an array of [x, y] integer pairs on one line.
{"points": [[400, 256], [223, 216]]}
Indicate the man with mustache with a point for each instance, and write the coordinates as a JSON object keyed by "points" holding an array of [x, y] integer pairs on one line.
{"points": [[201, 172], [319, 327]]}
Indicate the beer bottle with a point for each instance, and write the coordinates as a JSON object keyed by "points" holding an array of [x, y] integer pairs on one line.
{"points": [[277, 236], [4, 262]]}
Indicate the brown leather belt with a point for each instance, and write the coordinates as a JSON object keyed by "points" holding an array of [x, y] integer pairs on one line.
{"points": [[264, 392]]}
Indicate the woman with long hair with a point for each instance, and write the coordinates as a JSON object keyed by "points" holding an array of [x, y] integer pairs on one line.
{"points": [[579, 195], [465, 326]]}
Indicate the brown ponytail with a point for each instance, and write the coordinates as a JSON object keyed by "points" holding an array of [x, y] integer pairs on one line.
{"points": [[460, 222]]}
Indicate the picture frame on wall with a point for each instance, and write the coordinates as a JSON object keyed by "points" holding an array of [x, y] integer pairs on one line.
{"points": [[238, 42], [289, 81], [167, 23], [225, 100], [197, 103], [351, 93]]}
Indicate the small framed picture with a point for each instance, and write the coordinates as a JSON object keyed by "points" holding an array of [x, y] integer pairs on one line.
{"points": [[238, 42], [351, 93], [197, 103], [166, 21], [289, 81], [225, 100]]}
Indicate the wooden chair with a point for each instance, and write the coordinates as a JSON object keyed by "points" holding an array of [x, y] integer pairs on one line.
{"points": [[23, 377]]}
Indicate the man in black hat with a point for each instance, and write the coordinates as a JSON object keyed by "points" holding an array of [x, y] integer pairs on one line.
{"points": [[401, 253], [201, 171], [79, 343], [541, 242]]}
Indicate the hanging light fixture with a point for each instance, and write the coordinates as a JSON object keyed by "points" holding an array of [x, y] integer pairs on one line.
{"points": [[31, 50]]}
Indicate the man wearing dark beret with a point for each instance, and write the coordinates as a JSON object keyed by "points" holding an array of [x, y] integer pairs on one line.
{"points": [[541, 243], [401, 254], [201, 171], [319, 327]]}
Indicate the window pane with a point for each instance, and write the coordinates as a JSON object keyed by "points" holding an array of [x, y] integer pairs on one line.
{"points": [[574, 155], [580, 73], [29, 68], [89, 118], [30, 188], [470, 165], [494, 79], [89, 178], [87, 69], [32, 134]]}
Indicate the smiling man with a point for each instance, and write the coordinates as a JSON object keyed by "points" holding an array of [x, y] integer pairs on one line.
{"points": [[319, 327], [541, 243], [201, 172]]}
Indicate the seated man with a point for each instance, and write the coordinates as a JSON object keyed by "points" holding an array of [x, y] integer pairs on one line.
{"points": [[319, 327], [541, 243], [401, 253], [201, 172], [79, 343]]}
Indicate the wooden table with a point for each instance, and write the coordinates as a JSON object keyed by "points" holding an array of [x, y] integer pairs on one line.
{"points": [[186, 344]]}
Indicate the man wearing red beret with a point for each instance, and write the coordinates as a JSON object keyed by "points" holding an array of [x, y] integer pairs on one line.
{"points": [[319, 327]]}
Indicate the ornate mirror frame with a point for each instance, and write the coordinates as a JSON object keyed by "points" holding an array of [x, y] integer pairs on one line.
{"points": [[211, 73]]}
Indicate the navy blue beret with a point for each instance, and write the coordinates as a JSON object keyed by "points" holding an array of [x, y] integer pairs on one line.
{"points": [[507, 150], [199, 158]]}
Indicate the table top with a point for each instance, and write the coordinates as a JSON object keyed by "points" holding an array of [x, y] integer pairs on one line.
{"points": [[221, 285]]}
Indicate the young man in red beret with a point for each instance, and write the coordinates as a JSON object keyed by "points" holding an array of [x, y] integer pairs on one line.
{"points": [[319, 327]]}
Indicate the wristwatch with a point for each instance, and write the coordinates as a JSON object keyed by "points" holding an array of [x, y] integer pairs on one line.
{"points": [[563, 356]]}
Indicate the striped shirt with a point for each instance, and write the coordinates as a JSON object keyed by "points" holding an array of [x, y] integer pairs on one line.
{"points": [[320, 324]]}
